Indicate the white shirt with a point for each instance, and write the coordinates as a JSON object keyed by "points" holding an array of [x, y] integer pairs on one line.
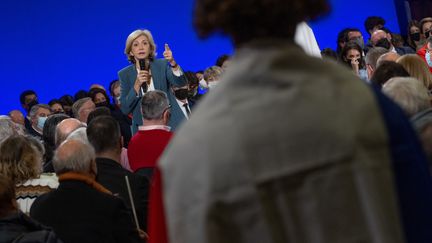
{"points": [[305, 38]]}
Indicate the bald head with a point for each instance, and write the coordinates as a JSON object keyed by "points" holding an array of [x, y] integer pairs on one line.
{"points": [[66, 127], [389, 56], [378, 35], [75, 156]]}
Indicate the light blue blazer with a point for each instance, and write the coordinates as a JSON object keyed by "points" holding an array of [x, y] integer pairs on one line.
{"points": [[163, 78]]}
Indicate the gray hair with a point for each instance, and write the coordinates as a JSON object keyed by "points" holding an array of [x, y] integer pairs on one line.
{"points": [[409, 93], [373, 55], [76, 107], [35, 108], [6, 128], [153, 105], [74, 156], [79, 134], [213, 73]]}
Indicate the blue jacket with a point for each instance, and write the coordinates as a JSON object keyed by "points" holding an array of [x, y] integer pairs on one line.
{"points": [[163, 77]]}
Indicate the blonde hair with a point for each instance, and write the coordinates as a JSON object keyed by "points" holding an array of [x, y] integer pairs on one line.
{"points": [[133, 36], [19, 159], [416, 68]]}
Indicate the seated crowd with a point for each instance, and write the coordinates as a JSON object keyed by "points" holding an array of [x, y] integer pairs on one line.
{"points": [[73, 171]]}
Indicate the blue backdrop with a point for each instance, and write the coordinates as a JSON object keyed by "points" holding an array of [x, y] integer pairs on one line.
{"points": [[58, 47]]}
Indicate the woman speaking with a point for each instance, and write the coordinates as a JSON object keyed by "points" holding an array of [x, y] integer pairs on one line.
{"points": [[147, 73]]}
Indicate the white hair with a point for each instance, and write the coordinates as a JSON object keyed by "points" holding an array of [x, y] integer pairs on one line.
{"points": [[78, 157], [409, 93], [6, 128], [79, 134]]}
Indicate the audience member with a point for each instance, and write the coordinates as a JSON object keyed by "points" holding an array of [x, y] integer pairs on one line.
{"points": [[352, 57], [48, 137], [38, 115], [17, 117], [371, 59], [15, 226], [425, 53], [415, 66], [114, 88], [409, 93], [21, 162], [66, 127], [381, 38], [152, 137], [82, 107], [388, 57], [212, 76], [81, 209], [78, 134], [374, 23], [181, 100], [193, 83], [386, 71], [6, 128], [80, 94], [297, 161], [104, 135], [414, 38], [67, 102], [56, 106]]}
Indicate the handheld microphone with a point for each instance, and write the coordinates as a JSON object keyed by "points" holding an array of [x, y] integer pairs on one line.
{"points": [[145, 66]]}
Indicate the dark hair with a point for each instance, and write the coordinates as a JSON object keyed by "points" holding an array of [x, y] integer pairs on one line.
{"points": [[7, 196], [387, 70], [94, 91], [48, 134], [328, 53], [67, 100], [352, 46], [111, 88], [80, 94], [24, 94], [411, 24], [341, 38], [244, 20], [103, 133], [373, 21], [191, 78], [348, 30], [55, 101], [99, 111], [221, 59]]}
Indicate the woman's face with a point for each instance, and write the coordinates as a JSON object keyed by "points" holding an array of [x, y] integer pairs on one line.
{"points": [[352, 54], [414, 29], [99, 98], [140, 48]]}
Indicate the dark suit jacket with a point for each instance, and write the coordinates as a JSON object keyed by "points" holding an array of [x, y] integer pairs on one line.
{"points": [[163, 77], [112, 176], [404, 50], [79, 213]]}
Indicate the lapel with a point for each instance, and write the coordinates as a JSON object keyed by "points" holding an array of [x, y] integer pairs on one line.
{"points": [[154, 72]]}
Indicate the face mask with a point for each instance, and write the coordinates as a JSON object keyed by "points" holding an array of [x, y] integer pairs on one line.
{"points": [[181, 94], [41, 122], [212, 85], [428, 59], [100, 104], [359, 42], [384, 43], [415, 36]]}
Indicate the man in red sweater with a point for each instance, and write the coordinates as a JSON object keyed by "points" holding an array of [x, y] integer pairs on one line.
{"points": [[151, 139]]}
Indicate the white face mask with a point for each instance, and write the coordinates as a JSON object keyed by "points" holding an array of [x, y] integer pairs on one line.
{"points": [[212, 85]]}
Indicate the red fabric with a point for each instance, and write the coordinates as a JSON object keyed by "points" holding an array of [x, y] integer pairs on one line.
{"points": [[157, 230], [145, 148], [422, 53]]}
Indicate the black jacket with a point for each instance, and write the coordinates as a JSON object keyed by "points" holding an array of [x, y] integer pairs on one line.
{"points": [[19, 227], [112, 176], [79, 213]]}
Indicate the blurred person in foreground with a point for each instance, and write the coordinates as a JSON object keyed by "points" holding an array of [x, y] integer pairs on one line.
{"points": [[15, 226], [277, 159]]}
